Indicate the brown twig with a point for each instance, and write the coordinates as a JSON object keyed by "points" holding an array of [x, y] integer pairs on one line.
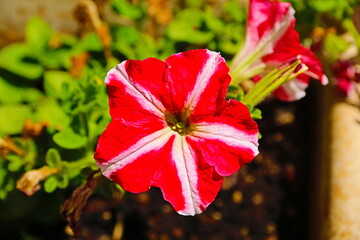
{"points": [[73, 206]]}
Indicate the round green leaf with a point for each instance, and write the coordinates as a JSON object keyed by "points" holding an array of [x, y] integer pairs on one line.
{"points": [[50, 111], [69, 139], [53, 158], [14, 58], [38, 34], [63, 181], [12, 118], [55, 83], [51, 184], [9, 92], [187, 27]]}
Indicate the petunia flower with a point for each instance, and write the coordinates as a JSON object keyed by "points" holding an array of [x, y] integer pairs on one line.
{"points": [[346, 76], [272, 41], [173, 129]]}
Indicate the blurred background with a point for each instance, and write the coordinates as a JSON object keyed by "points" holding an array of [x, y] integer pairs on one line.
{"points": [[54, 56]]}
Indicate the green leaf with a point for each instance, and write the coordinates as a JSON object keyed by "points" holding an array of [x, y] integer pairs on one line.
{"points": [[38, 34], [334, 46], [256, 113], [126, 9], [146, 47], [9, 92], [63, 181], [354, 28], [3, 173], [126, 34], [12, 118], [50, 111], [53, 158], [231, 39], [57, 84], [50, 184], [15, 162], [187, 27], [16, 58], [90, 42], [212, 21], [323, 5], [194, 3], [69, 139], [98, 121], [125, 38], [15, 166], [30, 95], [233, 9], [15, 94], [6, 187]]}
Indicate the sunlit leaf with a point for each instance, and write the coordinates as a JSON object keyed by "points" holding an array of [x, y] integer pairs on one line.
{"points": [[57, 84], [16, 58], [38, 34], [50, 184], [50, 111], [53, 158], [126, 9], [187, 27], [15, 162], [69, 139], [90, 42], [9, 92], [12, 118], [63, 181]]}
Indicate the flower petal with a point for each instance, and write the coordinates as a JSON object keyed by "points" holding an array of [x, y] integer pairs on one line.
{"points": [[267, 18], [267, 22], [129, 88], [226, 140], [291, 91], [271, 41], [136, 170], [287, 48], [295, 88], [169, 163], [139, 150], [207, 79], [199, 183], [122, 138]]}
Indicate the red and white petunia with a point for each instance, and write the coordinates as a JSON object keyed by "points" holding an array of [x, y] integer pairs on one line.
{"points": [[272, 41], [346, 76], [173, 129]]}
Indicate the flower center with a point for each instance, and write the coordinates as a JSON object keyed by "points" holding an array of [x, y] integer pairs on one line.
{"points": [[177, 125], [180, 127]]}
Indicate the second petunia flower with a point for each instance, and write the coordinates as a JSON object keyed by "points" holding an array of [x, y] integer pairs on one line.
{"points": [[272, 41], [173, 129]]}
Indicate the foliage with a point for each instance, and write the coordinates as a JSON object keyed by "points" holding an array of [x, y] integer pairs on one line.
{"points": [[57, 79], [53, 103]]}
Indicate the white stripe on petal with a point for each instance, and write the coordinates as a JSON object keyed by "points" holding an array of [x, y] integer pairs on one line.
{"points": [[187, 172], [202, 81], [227, 134], [142, 95], [295, 90], [151, 142], [269, 40], [253, 50]]}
